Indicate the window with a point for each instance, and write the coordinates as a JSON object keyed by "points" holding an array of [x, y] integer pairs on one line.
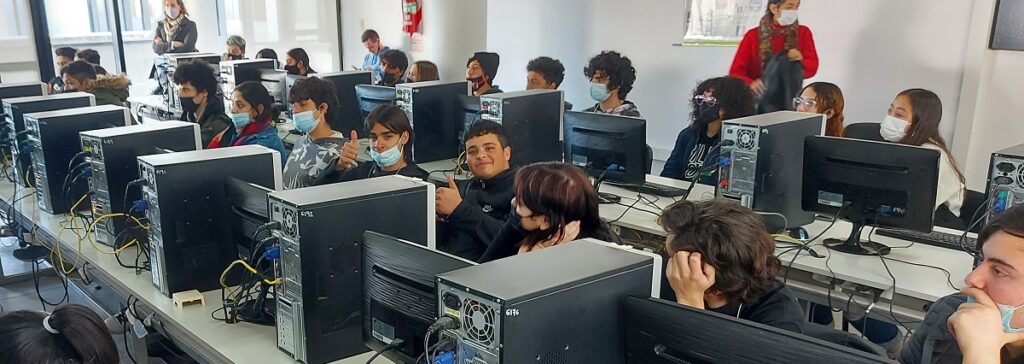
{"points": [[140, 15], [14, 19]]}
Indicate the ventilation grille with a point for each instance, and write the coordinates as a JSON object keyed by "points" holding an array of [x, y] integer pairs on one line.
{"points": [[1020, 176], [556, 356], [746, 139], [479, 321]]}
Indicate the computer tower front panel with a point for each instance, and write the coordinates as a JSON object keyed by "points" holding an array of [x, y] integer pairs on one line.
{"points": [[1005, 181]]}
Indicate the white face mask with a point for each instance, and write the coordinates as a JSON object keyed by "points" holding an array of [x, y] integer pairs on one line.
{"points": [[172, 12], [787, 17], [893, 129]]}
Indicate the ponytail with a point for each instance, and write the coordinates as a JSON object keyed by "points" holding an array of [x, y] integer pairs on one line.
{"points": [[70, 334]]}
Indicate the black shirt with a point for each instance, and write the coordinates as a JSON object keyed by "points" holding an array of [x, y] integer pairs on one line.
{"points": [[777, 308], [368, 169]]}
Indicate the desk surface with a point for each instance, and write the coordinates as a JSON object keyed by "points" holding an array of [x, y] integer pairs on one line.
{"points": [[218, 341]]}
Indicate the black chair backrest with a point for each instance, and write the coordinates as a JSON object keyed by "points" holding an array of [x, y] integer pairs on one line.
{"points": [[864, 131], [974, 202], [842, 338]]}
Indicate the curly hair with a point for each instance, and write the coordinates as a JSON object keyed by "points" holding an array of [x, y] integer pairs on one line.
{"points": [[619, 69], [551, 69], [830, 97], [733, 95], [318, 90], [198, 73], [729, 237]]}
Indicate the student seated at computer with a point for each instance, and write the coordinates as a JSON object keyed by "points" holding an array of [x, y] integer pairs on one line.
{"points": [[200, 102], [823, 98], [481, 69], [474, 210], [990, 329], [314, 102], [554, 203], [695, 154], [611, 78], [251, 120], [913, 119], [393, 64], [108, 90], [422, 71], [296, 62], [391, 141], [70, 334], [723, 260], [545, 73]]}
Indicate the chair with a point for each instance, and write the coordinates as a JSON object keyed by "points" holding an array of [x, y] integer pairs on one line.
{"points": [[864, 131], [974, 201], [842, 338]]}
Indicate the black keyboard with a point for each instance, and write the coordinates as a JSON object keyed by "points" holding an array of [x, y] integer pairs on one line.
{"points": [[654, 189], [935, 238]]}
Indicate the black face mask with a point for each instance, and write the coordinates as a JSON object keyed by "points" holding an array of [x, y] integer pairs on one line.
{"points": [[234, 57], [388, 79], [68, 90], [292, 69], [708, 114], [188, 104]]}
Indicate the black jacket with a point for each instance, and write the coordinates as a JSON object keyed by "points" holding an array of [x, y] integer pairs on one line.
{"points": [[932, 342], [778, 308], [511, 235], [212, 121], [368, 169], [681, 158], [783, 80], [477, 220], [187, 34]]}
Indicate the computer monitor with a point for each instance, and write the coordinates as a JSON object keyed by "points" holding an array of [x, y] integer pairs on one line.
{"points": [[289, 81], [399, 295], [369, 96], [347, 117], [658, 331], [607, 146], [869, 184], [249, 208]]}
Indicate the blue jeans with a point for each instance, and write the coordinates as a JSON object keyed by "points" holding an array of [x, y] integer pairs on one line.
{"points": [[876, 331]]}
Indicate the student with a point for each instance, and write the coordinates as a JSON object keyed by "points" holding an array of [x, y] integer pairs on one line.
{"points": [[421, 71], [778, 31], [391, 141], [371, 61], [480, 70], [314, 102], [64, 56], [93, 57], [297, 62], [823, 98], [913, 119], [695, 153], [991, 328], [611, 78], [197, 94], [723, 260], [267, 53], [251, 120], [545, 73], [474, 210], [236, 49], [176, 33], [554, 203], [108, 90], [393, 65], [70, 334]]}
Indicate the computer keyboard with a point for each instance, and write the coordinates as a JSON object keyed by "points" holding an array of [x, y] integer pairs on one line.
{"points": [[655, 189], [934, 238]]}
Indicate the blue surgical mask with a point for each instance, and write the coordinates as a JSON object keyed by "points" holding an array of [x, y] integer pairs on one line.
{"points": [[598, 91], [305, 122], [240, 120], [1006, 313], [388, 158]]}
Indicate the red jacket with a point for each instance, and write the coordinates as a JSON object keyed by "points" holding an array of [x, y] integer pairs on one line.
{"points": [[747, 64]]}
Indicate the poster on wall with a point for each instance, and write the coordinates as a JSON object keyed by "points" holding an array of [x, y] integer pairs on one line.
{"points": [[721, 22]]}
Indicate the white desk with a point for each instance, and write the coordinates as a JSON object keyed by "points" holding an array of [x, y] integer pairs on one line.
{"points": [[206, 339]]}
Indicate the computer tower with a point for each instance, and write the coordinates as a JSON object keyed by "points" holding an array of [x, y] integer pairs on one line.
{"points": [[190, 237], [760, 162], [556, 305], [9, 91], [319, 303], [14, 112], [435, 118], [533, 121], [1005, 188], [347, 117], [166, 65], [114, 165], [234, 73], [55, 134]]}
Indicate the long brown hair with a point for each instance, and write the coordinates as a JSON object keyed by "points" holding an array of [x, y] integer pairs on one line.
{"points": [[830, 97], [427, 71], [924, 126], [562, 193]]}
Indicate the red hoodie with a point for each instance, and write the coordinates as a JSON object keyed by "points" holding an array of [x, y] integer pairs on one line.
{"points": [[747, 64]]}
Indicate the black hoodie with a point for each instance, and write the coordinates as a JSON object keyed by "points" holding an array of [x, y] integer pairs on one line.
{"points": [[476, 221]]}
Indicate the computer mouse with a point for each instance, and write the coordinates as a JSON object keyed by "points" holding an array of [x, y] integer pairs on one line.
{"points": [[799, 233]]}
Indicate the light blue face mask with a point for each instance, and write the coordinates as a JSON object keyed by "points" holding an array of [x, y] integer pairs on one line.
{"points": [[1006, 313], [598, 91], [388, 158], [240, 120], [305, 122]]}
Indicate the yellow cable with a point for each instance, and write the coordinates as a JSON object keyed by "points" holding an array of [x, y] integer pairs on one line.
{"points": [[92, 228], [788, 239], [57, 243], [249, 268]]}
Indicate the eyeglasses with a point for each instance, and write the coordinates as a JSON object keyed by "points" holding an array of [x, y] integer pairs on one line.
{"points": [[797, 101], [706, 100]]}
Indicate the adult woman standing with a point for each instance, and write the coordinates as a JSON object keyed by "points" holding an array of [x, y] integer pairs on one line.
{"points": [[176, 33], [779, 31]]}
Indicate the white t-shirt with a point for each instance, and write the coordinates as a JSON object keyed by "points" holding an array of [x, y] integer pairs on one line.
{"points": [[950, 189]]}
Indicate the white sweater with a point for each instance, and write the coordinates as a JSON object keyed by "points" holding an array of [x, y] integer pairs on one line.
{"points": [[950, 189]]}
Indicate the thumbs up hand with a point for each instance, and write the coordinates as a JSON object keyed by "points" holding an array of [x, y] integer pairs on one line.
{"points": [[349, 152], [447, 198]]}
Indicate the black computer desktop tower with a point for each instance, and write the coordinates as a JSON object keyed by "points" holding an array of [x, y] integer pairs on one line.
{"points": [[556, 305], [319, 303], [190, 238], [347, 117], [55, 135], [114, 165], [9, 91], [436, 119], [167, 63], [760, 163], [1005, 187], [14, 112], [234, 73], [532, 120]]}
